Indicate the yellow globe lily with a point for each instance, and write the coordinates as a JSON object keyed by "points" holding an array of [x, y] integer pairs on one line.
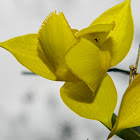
{"points": [[44, 54], [81, 58]]}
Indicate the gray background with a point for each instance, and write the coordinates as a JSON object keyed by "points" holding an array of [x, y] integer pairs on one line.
{"points": [[30, 106]]}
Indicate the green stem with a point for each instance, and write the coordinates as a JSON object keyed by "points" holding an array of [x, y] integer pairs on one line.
{"points": [[126, 134]]}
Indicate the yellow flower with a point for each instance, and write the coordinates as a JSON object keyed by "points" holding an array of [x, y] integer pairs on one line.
{"points": [[98, 100], [129, 113], [81, 58]]}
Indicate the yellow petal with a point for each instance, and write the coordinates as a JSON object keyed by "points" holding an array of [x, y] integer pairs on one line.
{"points": [[96, 31], [56, 38], [120, 39], [74, 31], [98, 106], [88, 62], [24, 48], [129, 112]]}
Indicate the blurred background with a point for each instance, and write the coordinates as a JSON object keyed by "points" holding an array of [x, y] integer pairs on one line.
{"points": [[30, 106]]}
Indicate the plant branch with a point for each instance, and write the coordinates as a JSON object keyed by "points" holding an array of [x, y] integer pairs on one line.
{"points": [[127, 72]]}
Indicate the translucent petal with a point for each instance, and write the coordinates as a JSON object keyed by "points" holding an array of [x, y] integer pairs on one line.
{"points": [[96, 31], [96, 106], [88, 62], [24, 48], [129, 113], [120, 39], [56, 38], [74, 31]]}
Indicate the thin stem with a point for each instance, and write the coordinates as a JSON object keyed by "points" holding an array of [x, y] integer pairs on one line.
{"points": [[110, 70], [133, 69], [132, 73], [137, 62], [27, 73], [119, 70]]}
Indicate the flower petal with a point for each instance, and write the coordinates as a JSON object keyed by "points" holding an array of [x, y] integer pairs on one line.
{"points": [[96, 106], [96, 31], [129, 113], [56, 38], [88, 62], [120, 39], [24, 48], [74, 31]]}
